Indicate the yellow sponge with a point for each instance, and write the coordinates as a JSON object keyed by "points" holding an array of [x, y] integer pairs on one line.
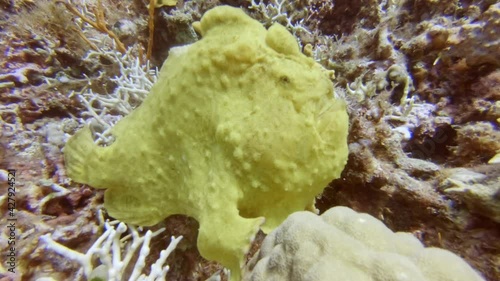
{"points": [[239, 127]]}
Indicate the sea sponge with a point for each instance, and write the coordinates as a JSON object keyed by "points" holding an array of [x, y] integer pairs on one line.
{"points": [[238, 128], [344, 245]]}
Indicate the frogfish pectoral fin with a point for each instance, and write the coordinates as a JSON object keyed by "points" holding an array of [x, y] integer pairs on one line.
{"points": [[227, 239]]}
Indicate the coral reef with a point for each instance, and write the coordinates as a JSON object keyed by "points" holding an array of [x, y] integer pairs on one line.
{"points": [[108, 248], [420, 78]]}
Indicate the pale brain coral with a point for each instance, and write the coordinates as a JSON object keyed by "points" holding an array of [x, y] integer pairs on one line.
{"points": [[344, 245], [239, 127]]}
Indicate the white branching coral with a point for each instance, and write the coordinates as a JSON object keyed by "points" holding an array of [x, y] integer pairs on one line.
{"points": [[132, 86], [59, 191], [115, 254], [282, 11], [132, 83], [361, 91]]}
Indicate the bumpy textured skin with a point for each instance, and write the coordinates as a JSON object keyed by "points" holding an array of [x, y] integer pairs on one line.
{"points": [[344, 245], [239, 127]]}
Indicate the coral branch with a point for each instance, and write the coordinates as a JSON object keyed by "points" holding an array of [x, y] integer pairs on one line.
{"points": [[99, 23], [109, 248], [151, 25]]}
